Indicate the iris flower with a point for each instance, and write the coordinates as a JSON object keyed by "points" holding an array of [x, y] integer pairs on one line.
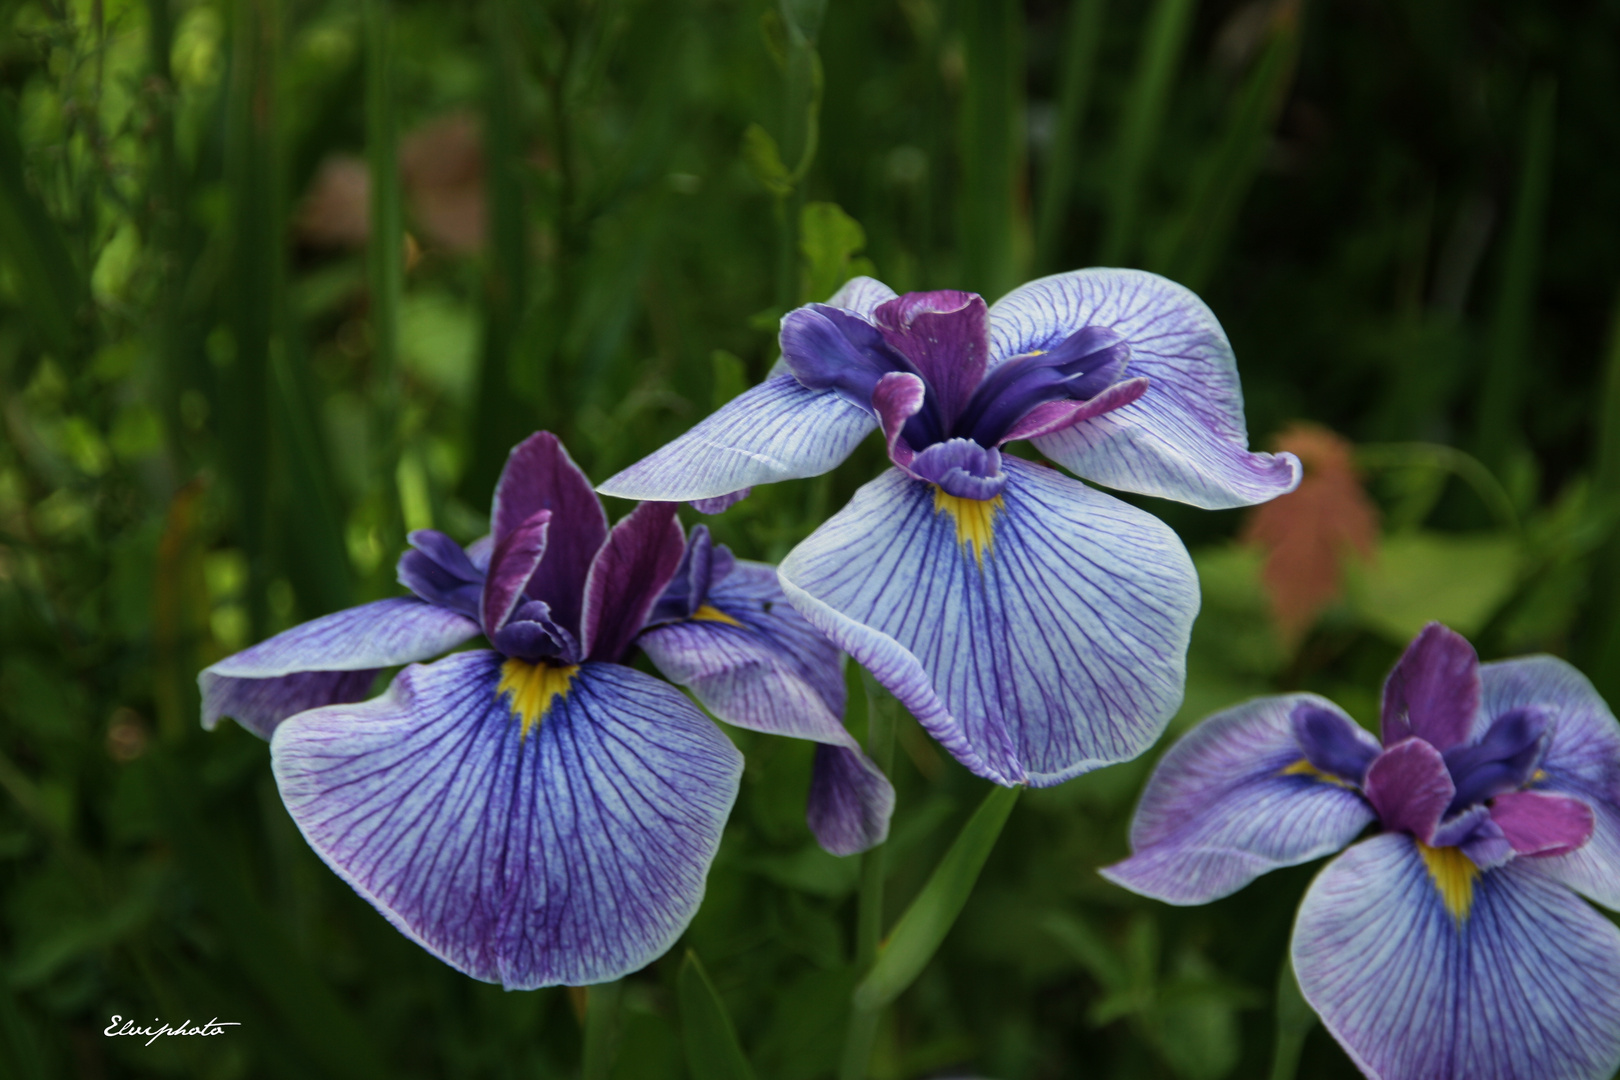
{"points": [[1452, 943], [1035, 626], [539, 813]]}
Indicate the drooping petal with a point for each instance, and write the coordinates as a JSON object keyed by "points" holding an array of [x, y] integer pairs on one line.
{"points": [[628, 575], [1056, 416], [1185, 438], [539, 475], [1037, 636], [1537, 823], [1234, 799], [1505, 976], [1582, 760], [720, 503], [1433, 690], [572, 854], [779, 430], [325, 661], [850, 801], [1409, 787], [517, 553]]}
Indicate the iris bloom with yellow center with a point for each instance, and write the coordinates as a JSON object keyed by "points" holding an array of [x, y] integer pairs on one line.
{"points": [[1452, 944], [1035, 626], [538, 812]]}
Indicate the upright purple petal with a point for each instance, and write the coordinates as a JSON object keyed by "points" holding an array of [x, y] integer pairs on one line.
{"points": [[573, 853], [517, 553], [1513, 979], [440, 572], [1433, 690], [1582, 760], [1503, 759], [539, 475], [326, 661], [945, 335], [1233, 799], [1410, 788], [640, 557], [1185, 437], [779, 430], [1037, 636]]}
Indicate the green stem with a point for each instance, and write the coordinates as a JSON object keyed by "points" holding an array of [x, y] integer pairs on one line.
{"points": [[601, 1024], [1437, 456], [863, 1023]]}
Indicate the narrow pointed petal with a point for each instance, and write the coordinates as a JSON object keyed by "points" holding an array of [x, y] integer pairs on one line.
{"points": [[1037, 636], [1231, 801], [1185, 438], [1409, 787], [1433, 690], [850, 802], [1524, 986], [628, 575], [326, 661], [539, 475], [1582, 760], [861, 295], [1537, 823], [779, 430], [511, 565], [573, 854]]}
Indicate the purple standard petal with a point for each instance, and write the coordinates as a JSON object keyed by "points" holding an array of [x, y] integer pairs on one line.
{"points": [[1038, 635], [1537, 823], [1235, 798], [1582, 760], [1433, 690], [631, 571], [779, 430], [1185, 437], [539, 475], [1410, 788], [326, 661], [1504, 976], [511, 565], [945, 335], [571, 849]]}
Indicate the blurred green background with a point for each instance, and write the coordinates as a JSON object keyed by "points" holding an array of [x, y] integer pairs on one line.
{"points": [[282, 279]]}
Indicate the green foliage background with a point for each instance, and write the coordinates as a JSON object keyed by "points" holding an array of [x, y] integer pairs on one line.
{"points": [[1404, 214]]}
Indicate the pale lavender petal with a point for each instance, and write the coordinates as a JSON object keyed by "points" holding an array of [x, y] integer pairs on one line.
{"points": [[1056, 647], [1582, 760], [641, 555], [1231, 801], [573, 854], [720, 503], [1524, 986], [1433, 690], [517, 553], [779, 430], [861, 295], [539, 475], [850, 801], [1409, 787], [1185, 438], [263, 685], [945, 336], [1537, 823]]}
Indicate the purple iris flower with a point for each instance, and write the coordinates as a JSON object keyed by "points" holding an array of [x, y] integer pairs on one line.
{"points": [[539, 813], [1035, 626], [1452, 944]]}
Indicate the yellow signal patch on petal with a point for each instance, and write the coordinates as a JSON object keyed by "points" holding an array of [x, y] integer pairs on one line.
{"points": [[975, 520], [1303, 767], [709, 613], [1453, 874], [531, 688]]}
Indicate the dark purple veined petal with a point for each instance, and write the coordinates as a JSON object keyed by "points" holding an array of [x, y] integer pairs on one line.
{"points": [[1332, 742], [517, 553], [1503, 759], [1433, 690], [1514, 978], [754, 662], [627, 577], [1537, 823], [325, 661], [896, 397], [1185, 438], [539, 475], [1037, 636], [945, 335], [1582, 760], [1410, 788], [779, 430], [1234, 799], [572, 854]]}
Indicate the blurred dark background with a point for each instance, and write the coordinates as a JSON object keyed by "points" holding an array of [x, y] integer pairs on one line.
{"points": [[283, 279]]}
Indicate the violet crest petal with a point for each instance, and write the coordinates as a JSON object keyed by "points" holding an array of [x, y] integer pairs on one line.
{"points": [[1502, 759], [572, 855], [1525, 987], [1409, 787], [1055, 648], [1228, 802], [1055, 416], [419, 572], [1433, 690], [779, 430]]}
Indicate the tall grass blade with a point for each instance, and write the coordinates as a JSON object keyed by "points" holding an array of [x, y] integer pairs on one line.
{"points": [[385, 249], [53, 290], [1079, 69], [712, 1050], [992, 149]]}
